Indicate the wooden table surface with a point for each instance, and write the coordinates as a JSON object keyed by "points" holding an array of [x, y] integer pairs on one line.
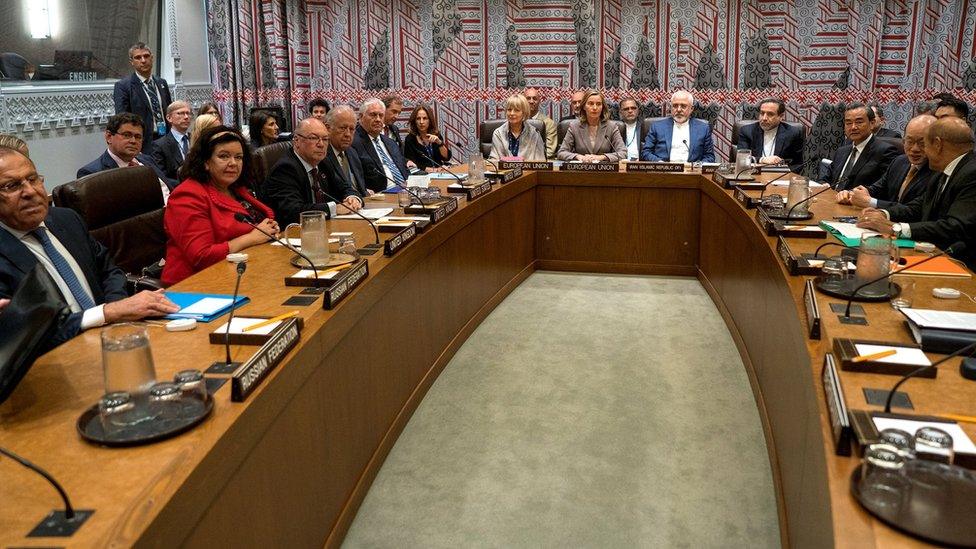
{"points": [[291, 465]]}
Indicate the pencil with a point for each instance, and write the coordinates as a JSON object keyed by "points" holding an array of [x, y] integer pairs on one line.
{"points": [[874, 356], [264, 323]]}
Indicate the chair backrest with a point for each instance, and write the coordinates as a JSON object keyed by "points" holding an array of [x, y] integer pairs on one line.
{"points": [[123, 209], [561, 128], [13, 66], [487, 128], [646, 126], [265, 158]]}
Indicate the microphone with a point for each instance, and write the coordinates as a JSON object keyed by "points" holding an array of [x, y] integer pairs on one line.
{"points": [[784, 174], [789, 212], [955, 248], [376, 232], [241, 267], [439, 165], [920, 369], [246, 219], [69, 511], [688, 147]]}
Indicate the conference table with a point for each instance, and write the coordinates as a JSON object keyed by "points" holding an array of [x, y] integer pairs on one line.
{"points": [[291, 464]]}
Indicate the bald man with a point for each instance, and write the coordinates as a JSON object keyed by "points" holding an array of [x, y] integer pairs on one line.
{"points": [[905, 179], [679, 137], [534, 98], [575, 101], [946, 213]]}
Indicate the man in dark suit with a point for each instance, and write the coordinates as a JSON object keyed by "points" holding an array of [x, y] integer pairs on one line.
{"points": [[123, 135], [865, 159], [879, 123], [634, 131], [771, 140], [342, 164], [394, 106], [144, 95], [296, 182], [169, 151], [381, 156], [32, 232], [575, 102], [679, 138], [905, 179], [946, 213]]}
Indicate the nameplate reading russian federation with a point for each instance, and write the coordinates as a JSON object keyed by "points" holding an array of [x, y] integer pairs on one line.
{"points": [[353, 277], [812, 309], [655, 167], [247, 378], [840, 422], [589, 167], [786, 254], [505, 176], [400, 240], [511, 165]]}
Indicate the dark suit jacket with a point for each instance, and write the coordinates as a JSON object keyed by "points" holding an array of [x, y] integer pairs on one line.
{"points": [[107, 281], [870, 166], [288, 192], [395, 135], [887, 132], [130, 96], [167, 155], [789, 143], [640, 137], [106, 162], [949, 218], [337, 179], [886, 189], [657, 144], [375, 175], [413, 150]]}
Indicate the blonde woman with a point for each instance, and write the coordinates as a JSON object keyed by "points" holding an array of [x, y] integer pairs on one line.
{"points": [[201, 123], [515, 138]]}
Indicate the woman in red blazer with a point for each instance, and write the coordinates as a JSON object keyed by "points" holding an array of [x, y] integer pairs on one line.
{"points": [[199, 219]]}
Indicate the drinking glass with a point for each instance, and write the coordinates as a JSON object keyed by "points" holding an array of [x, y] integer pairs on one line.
{"points": [[798, 193], [934, 444], [165, 401], [127, 362], [476, 169], [882, 480], [743, 161], [907, 295], [315, 240], [116, 412], [403, 199], [347, 245], [874, 257], [191, 383]]}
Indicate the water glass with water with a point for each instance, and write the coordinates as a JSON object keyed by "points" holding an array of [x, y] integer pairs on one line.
{"points": [[347, 245], [798, 193], [744, 161], [476, 169], [127, 362], [874, 257], [906, 296], [315, 239]]}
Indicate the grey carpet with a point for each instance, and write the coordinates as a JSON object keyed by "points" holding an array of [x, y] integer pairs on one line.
{"points": [[585, 411]]}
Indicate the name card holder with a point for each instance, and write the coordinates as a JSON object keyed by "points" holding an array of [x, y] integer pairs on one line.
{"points": [[840, 420], [747, 201], [730, 180], [765, 223], [812, 309], [513, 164], [400, 240], [397, 225], [655, 167], [846, 352], [796, 266], [344, 285], [220, 337], [506, 176], [247, 378], [795, 230], [471, 192], [437, 210], [590, 167]]}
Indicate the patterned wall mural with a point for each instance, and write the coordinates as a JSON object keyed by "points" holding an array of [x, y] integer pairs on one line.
{"points": [[466, 56]]}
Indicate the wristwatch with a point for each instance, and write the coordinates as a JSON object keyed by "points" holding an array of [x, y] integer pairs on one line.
{"points": [[896, 227]]}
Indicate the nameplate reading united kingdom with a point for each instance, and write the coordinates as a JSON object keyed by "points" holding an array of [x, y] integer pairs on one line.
{"points": [[512, 164], [400, 240], [655, 167], [589, 167], [354, 276], [247, 378]]}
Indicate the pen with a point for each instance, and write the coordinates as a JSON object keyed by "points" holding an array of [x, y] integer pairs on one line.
{"points": [[959, 417], [264, 323], [874, 356]]}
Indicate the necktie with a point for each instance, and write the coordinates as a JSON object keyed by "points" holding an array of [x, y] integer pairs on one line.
{"points": [[908, 179], [185, 145], [61, 265], [154, 101], [133, 163], [940, 188], [316, 185], [394, 171], [845, 175]]}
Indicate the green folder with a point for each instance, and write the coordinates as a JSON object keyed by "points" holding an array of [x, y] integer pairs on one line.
{"points": [[855, 242]]}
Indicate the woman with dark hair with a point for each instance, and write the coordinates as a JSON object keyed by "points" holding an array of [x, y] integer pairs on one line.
{"points": [[200, 225], [425, 142], [209, 108], [263, 128], [592, 137]]}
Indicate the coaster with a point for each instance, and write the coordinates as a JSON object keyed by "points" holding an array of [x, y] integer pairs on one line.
{"points": [[839, 308], [299, 301], [878, 397]]}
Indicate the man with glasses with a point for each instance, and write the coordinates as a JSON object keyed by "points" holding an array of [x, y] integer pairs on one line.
{"points": [[31, 232], [634, 130], [297, 182], [169, 152], [905, 179], [382, 159], [123, 135], [143, 94]]}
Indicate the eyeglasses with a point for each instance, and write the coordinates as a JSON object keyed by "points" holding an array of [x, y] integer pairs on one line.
{"points": [[129, 135], [14, 187], [314, 138]]}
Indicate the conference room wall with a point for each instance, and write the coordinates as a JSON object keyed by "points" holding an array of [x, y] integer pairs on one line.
{"points": [[64, 123], [465, 56]]}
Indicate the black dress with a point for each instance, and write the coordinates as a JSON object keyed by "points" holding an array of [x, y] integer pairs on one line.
{"points": [[414, 150]]}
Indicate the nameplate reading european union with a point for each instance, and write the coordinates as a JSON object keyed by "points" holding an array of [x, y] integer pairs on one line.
{"points": [[511, 165], [247, 378], [655, 167], [400, 240], [353, 277], [589, 167]]}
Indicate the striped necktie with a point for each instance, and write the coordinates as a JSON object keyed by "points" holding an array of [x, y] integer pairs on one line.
{"points": [[394, 171], [64, 269]]}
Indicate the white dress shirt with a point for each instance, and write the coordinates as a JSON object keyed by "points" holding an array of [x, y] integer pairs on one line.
{"points": [[906, 229], [633, 143], [860, 150], [769, 142], [680, 142]]}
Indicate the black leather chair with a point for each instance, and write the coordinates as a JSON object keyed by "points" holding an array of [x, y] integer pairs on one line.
{"points": [[265, 158], [13, 66], [487, 128], [646, 125], [123, 209]]}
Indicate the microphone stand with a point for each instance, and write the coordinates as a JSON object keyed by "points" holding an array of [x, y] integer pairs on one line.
{"points": [[62, 525], [229, 366], [920, 369], [782, 175], [789, 213], [440, 165]]}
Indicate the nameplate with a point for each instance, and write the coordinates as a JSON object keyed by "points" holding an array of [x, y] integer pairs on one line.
{"points": [[840, 422], [589, 167], [800, 230], [513, 164], [812, 309], [845, 349], [247, 378], [786, 254], [655, 167], [83, 76], [747, 201], [354, 276], [444, 210], [765, 223], [473, 191], [400, 240], [437, 210], [504, 177]]}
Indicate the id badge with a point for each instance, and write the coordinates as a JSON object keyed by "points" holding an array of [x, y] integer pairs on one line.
{"points": [[160, 128]]}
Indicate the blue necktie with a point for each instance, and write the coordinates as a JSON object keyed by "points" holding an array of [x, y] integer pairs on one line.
{"points": [[61, 264], [154, 102], [397, 176], [185, 145]]}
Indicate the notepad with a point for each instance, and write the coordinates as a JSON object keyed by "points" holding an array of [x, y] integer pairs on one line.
{"points": [[368, 213], [203, 307], [308, 273], [238, 325], [911, 356], [941, 320], [940, 266]]}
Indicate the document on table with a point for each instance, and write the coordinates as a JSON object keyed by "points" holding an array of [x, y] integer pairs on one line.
{"points": [[785, 182], [369, 213], [960, 442], [912, 356], [308, 273], [207, 306], [941, 320], [295, 242], [849, 230]]}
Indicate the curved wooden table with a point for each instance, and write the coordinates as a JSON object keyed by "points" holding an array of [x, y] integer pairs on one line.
{"points": [[291, 465]]}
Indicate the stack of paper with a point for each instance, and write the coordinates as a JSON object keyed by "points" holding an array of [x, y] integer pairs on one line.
{"points": [[203, 307]]}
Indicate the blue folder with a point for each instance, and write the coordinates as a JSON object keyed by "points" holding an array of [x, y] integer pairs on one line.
{"points": [[186, 299]]}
